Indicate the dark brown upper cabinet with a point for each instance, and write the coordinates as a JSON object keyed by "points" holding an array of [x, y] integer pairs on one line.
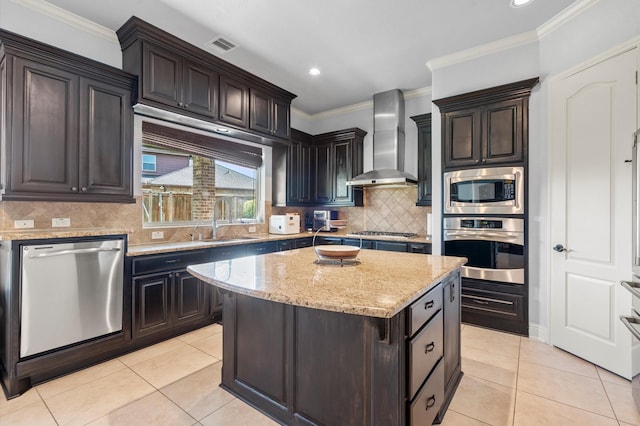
{"points": [[424, 159], [337, 157], [299, 169], [487, 127], [269, 115], [69, 125], [234, 102], [181, 78], [178, 82]]}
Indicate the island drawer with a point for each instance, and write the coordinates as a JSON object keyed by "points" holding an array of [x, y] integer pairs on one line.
{"points": [[425, 350], [167, 262], [424, 308], [424, 409]]}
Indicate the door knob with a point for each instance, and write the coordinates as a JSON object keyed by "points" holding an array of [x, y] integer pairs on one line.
{"points": [[559, 248]]}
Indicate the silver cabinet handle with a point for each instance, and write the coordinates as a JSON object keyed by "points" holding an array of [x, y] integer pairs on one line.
{"points": [[72, 251]]}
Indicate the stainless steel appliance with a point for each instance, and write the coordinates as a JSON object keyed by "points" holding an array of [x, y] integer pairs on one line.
{"points": [[71, 292], [493, 245], [632, 321], [495, 190], [322, 220]]}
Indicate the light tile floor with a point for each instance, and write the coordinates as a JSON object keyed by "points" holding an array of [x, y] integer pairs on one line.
{"points": [[508, 380]]}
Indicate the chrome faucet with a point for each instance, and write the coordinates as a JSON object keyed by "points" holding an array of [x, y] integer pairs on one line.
{"points": [[214, 223], [193, 232]]}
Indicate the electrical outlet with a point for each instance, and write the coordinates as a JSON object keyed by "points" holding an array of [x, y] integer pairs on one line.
{"points": [[157, 235], [252, 229], [23, 223], [60, 222]]}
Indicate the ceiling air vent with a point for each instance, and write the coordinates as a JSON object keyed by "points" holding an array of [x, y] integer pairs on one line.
{"points": [[221, 45]]}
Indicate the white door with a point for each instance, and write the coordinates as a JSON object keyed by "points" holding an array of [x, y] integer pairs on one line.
{"points": [[593, 117]]}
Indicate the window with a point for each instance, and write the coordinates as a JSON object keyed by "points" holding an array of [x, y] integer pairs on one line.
{"points": [[191, 181], [148, 163]]}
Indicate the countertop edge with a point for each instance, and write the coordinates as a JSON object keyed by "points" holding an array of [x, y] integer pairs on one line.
{"points": [[370, 311]]}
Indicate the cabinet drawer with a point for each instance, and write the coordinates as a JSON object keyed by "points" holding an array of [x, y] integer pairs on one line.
{"points": [[425, 350], [166, 262], [424, 308], [425, 407], [500, 305], [304, 242]]}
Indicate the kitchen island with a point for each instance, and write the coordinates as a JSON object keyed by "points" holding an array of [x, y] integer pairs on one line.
{"points": [[377, 343]]}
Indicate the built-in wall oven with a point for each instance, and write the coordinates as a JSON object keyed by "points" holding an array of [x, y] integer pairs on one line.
{"points": [[494, 291], [486, 191], [494, 247]]}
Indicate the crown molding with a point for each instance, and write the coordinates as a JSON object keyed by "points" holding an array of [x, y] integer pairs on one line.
{"points": [[483, 50], [564, 16], [69, 18]]}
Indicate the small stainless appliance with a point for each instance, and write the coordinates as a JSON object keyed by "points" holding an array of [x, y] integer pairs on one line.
{"points": [[70, 292], [322, 220], [495, 190], [493, 245]]}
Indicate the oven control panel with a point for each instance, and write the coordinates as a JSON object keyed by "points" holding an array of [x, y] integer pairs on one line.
{"points": [[480, 224]]}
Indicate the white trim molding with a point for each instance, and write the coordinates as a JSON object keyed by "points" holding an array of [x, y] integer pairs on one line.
{"points": [[483, 50], [564, 16], [69, 18]]}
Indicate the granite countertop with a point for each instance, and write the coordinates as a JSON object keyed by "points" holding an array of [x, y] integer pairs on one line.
{"points": [[36, 234], [382, 285], [168, 246]]}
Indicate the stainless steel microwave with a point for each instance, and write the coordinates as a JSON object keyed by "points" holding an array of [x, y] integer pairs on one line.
{"points": [[494, 190]]}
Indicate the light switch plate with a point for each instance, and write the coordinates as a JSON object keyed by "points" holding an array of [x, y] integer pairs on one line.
{"points": [[252, 229], [157, 235], [60, 222], [23, 223]]}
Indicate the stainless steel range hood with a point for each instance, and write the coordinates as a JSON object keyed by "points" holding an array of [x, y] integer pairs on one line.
{"points": [[388, 144]]}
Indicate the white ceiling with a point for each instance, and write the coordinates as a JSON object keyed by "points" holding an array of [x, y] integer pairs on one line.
{"points": [[362, 47]]}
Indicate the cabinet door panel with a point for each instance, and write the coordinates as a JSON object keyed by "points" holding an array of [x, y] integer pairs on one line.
{"points": [[234, 102], [462, 136], [190, 297], [342, 171], [163, 75], [200, 91], [151, 304], [105, 146], [260, 117], [324, 172], [44, 153], [281, 119], [503, 140], [425, 179]]}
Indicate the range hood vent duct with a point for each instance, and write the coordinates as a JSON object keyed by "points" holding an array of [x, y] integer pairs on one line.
{"points": [[388, 144]]}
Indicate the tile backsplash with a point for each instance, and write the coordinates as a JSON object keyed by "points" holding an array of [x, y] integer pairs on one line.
{"points": [[385, 209]]}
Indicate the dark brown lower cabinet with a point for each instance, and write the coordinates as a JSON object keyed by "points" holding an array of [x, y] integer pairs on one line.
{"points": [[305, 366], [167, 300]]}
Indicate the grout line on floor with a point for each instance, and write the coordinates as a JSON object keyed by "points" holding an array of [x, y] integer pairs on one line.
{"points": [[47, 406]]}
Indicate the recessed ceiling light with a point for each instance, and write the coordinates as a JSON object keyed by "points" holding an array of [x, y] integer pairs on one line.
{"points": [[520, 3], [314, 71]]}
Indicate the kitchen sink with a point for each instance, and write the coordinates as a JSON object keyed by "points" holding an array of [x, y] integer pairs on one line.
{"points": [[229, 240]]}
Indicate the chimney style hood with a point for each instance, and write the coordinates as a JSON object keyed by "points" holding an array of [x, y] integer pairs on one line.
{"points": [[388, 144]]}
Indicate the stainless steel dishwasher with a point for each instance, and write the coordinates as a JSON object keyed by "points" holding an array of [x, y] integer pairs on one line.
{"points": [[71, 292]]}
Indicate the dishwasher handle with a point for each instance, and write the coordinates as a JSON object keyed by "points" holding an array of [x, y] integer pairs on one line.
{"points": [[71, 251]]}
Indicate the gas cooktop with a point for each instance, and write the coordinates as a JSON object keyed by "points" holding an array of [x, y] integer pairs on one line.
{"points": [[399, 235]]}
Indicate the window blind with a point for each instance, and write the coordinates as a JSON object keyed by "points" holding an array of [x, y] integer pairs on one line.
{"points": [[206, 146]]}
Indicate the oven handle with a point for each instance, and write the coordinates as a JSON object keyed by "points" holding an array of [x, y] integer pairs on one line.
{"points": [[490, 236], [627, 323], [634, 288]]}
